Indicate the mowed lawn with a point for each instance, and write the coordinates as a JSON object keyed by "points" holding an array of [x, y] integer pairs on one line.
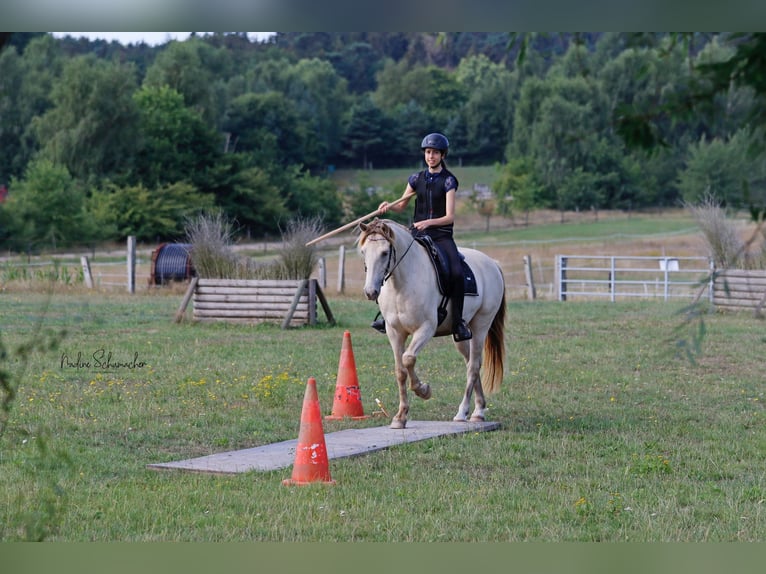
{"points": [[607, 434]]}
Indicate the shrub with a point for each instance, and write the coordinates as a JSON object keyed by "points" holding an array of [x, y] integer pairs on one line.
{"points": [[211, 238], [726, 248]]}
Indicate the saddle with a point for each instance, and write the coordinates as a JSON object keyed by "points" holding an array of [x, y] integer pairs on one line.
{"points": [[441, 266]]}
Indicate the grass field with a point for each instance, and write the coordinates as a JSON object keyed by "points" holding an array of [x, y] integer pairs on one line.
{"points": [[606, 434], [396, 179]]}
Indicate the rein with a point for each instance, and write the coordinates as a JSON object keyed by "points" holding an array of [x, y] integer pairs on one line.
{"points": [[392, 254], [396, 261]]}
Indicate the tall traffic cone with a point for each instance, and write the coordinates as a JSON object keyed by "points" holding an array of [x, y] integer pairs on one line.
{"points": [[311, 464], [348, 396]]}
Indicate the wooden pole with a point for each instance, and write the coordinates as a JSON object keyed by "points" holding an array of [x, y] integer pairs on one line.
{"points": [[86, 274], [341, 268], [294, 304], [357, 221], [131, 264], [185, 302], [531, 291]]}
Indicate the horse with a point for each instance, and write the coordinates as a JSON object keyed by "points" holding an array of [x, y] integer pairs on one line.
{"points": [[400, 276]]}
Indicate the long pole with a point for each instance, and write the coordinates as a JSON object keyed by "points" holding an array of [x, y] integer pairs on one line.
{"points": [[356, 221]]}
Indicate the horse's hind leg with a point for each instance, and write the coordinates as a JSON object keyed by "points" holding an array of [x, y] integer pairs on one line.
{"points": [[471, 352]]}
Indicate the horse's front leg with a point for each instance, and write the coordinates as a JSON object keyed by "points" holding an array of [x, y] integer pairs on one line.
{"points": [[397, 346], [405, 368], [410, 357]]}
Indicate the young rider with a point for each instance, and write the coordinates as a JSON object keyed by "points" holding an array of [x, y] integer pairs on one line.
{"points": [[434, 190]]}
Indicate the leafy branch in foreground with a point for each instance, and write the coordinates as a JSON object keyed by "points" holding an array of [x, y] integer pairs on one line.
{"points": [[36, 518]]}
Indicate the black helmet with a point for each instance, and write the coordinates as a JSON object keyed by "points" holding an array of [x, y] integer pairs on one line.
{"points": [[435, 141]]}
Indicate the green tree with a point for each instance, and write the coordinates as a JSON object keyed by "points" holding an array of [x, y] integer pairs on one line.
{"points": [[487, 114], [725, 171], [309, 197], [148, 213], [189, 68], [357, 62], [516, 190], [698, 92], [321, 100], [92, 127], [254, 202], [175, 144], [266, 126], [435, 89], [47, 208], [367, 133], [26, 83]]}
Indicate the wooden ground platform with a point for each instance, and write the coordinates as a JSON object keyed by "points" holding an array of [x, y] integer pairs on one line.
{"points": [[340, 444]]}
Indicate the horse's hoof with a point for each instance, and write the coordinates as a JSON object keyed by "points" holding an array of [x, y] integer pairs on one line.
{"points": [[424, 392], [459, 419], [477, 419], [397, 424]]}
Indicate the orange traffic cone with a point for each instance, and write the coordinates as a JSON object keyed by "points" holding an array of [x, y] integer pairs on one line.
{"points": [[348, 396], [311, 464]]}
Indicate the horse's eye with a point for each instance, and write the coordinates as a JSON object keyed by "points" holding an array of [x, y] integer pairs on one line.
{"points": [[384, 253]]}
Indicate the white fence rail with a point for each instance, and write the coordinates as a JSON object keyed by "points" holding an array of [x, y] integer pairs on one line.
{"points": [[617, 277]]}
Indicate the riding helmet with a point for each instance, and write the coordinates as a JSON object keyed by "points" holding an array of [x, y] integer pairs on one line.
{"points": [[435, 141]]}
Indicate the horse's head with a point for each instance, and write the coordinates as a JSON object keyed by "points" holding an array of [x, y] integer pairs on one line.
{"points": [[376, 245]]}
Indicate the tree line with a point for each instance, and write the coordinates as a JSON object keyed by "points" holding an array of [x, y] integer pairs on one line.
{"points": [[99, 140]]}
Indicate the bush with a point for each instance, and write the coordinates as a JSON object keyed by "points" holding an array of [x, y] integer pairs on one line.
{"points": [[722, 240], [726, 247], [211, 238]]}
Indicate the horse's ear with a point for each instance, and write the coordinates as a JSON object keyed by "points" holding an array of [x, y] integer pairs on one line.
{"points": [[364, 226]]}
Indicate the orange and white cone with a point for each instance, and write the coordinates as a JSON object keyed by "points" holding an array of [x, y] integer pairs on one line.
{"points": [[348, 396], [311, 462]]}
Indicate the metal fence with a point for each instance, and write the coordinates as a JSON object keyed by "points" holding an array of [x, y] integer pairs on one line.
{"points": [[616, 277]]}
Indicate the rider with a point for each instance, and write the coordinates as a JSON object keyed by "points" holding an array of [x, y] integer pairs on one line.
{"points": [[434, 190]]}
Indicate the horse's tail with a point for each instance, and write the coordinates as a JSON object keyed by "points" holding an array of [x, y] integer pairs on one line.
{"points": [[494, 351]]}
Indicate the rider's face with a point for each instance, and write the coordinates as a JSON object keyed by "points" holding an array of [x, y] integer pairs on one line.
{"points": [[433, 157]]}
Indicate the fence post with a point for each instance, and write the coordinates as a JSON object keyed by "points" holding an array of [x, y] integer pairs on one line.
{"points": [[531, 292], [86, 274], [612, 279], [131, 264], [342, 269], [561, 276], [322, 265]]}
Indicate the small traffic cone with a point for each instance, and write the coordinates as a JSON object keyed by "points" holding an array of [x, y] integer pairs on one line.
{"points": [[348, 396], [311, 464]]}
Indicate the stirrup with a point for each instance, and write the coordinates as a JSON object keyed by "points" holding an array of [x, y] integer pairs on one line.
{"points": [[379, 324]]}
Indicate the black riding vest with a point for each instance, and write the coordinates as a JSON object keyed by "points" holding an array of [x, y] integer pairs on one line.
{"points": [[431, 198]]}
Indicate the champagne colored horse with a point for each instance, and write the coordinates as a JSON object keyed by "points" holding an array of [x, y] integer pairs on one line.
{"points": [[399, 275]]}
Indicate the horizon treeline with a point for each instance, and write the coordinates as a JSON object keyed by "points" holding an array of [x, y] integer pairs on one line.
{"points": [[100, 140]]}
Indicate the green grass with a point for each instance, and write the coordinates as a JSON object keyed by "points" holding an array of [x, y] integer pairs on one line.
{"points": [[396, 179], [615, 227], [606, 434]]}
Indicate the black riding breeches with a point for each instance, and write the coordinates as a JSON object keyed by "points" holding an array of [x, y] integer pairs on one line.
{"points": [[456, 280]]}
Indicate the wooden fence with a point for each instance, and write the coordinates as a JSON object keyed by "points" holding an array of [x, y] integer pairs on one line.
{"points": [[290, 302], [740, 289]]}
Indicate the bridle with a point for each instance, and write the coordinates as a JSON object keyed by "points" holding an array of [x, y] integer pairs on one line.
{"points": [[380, 236]]}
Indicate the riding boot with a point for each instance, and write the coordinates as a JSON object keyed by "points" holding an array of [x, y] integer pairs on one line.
{"points": [[379, 324], [460, 331]]}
